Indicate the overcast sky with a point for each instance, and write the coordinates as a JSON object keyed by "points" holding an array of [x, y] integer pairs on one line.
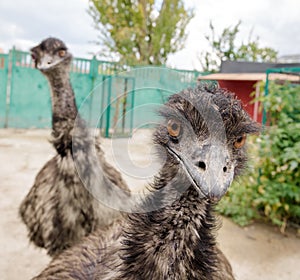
{"points": [[24, 23]]}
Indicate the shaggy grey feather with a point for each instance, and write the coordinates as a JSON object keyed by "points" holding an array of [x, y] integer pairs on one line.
{"points": [[59, 209], [176, 240]]}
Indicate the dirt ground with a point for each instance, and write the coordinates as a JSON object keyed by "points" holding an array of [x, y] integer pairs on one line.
{"points": [[255, 252]]}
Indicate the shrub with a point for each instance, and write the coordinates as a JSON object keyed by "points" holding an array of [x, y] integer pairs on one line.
{"points": [[272, 189], [238, 204]]}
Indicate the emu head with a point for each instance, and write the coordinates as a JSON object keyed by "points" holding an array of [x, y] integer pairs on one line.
{"points": [[204, 134], [51, 54]]}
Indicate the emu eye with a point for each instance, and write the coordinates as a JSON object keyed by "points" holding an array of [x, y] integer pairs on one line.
{"points": [[61, 53], [240, 142], [173, 128]]}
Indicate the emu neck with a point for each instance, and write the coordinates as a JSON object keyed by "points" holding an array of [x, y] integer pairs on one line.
{"points": [[175, 242], [64, 110], [63, 99]]}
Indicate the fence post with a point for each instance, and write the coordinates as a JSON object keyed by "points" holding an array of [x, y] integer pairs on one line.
{"points": [[93, 75], [264, 118], [124, 109], [132, 106], [108, 109], [93, 71], [9, 84]]}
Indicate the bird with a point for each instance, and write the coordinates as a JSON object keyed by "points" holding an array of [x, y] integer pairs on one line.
{"points": [[63, 204], [171, 234]]}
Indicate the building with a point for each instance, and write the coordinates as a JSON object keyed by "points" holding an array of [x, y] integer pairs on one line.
{"points": [[243, 79]]}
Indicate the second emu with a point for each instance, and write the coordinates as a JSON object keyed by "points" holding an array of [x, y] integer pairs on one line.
{"points": [[60, 209]]}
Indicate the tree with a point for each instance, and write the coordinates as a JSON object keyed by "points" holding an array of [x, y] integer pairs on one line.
{"points": [[225, 47], [140, 32]]}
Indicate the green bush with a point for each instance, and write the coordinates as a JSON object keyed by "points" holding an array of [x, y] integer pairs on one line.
{"points": [[272, 189], [238, 204]]}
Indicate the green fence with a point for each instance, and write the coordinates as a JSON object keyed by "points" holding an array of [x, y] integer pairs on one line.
{"points": [[109, 97], [3, 87], [29, 96]]}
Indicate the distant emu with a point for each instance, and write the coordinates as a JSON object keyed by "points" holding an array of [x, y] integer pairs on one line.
{"points": [[172, 233], [59, 209]]}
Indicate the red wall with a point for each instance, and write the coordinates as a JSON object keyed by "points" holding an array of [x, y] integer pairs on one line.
{"points": [[243, 89]]}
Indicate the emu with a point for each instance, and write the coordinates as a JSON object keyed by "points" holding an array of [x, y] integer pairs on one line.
{"points": [[171, 235], [60, 209]]}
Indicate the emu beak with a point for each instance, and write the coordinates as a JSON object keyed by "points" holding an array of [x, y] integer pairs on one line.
{"points": [[209, 170], [45, 62]]}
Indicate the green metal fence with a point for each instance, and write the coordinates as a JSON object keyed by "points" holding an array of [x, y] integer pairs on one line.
{"points": [[109, 97], [3, 87], [28, 96]]}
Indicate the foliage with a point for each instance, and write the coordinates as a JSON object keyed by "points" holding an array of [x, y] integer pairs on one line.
{"points": [[140, 32], [275, 193], [225, 47], [279, 185], [239, 204]]}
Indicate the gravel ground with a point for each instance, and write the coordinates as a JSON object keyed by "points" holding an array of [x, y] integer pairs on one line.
{"points": [[256, 252]]}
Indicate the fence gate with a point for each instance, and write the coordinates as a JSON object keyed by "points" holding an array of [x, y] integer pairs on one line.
{"points": [[109, 104], [118, 101]]}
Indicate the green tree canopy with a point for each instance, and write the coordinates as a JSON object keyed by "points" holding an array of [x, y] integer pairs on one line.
{"points": [[226, 47], [140, 32]]}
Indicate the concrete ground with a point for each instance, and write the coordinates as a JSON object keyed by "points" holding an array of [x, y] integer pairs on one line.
{"points": [[255, 252]]}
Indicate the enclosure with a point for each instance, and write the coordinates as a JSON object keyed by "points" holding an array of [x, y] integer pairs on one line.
{"points": [[111, 96]]}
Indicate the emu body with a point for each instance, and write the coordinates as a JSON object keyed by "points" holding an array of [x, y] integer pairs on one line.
{"points": [[60, 209]]}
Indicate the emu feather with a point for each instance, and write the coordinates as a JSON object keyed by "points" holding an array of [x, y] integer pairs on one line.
{"points": [[60, 209], [176, 239]]}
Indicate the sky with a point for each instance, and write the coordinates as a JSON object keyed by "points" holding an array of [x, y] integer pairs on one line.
{"points": [[24, 24]]}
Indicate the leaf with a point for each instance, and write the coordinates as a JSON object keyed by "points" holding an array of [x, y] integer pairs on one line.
{"points": [[294, 164], [141, 32], [226, 47]]}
